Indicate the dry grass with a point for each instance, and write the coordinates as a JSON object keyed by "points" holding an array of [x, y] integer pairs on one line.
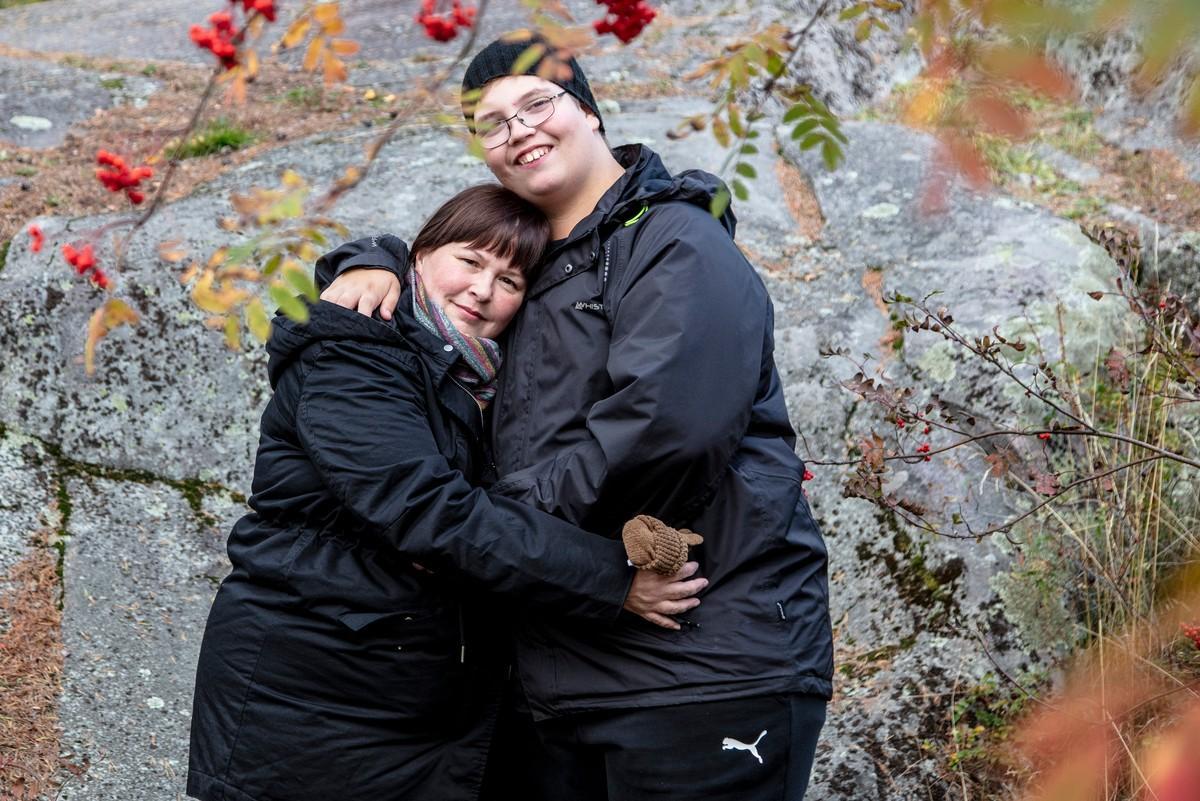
{"points": [[31, 667]]}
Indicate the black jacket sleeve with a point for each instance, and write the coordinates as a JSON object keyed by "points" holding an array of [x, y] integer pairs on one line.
{"points": [[382, 463], [684, 364], [385, 252]]}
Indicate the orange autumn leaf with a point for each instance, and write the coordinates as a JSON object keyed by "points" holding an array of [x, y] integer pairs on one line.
{"points": [[311, 56], [171, 252], [112, 315], [961, 154], [999, 116]]}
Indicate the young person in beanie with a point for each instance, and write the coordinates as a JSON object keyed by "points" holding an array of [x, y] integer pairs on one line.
{"points": [[640, 379]]}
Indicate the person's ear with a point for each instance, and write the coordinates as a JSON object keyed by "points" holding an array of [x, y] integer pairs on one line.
{"points": [[592, 120]]}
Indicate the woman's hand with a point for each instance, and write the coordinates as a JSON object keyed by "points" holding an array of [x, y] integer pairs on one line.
{"points": [[365, 289], [654, 597]]}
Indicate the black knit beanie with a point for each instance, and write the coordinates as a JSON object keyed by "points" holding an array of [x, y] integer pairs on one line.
{"points": [[497, 59]]}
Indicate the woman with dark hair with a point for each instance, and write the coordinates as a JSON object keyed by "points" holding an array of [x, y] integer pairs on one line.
{"points": [[350, 654]]}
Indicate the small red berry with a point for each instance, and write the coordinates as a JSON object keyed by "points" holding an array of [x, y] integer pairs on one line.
{"points": [[1045, 435], [36, 238], [808, 475]]}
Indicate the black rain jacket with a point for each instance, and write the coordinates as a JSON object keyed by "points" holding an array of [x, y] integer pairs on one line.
{"points": [[332, 668], [640, 378]]}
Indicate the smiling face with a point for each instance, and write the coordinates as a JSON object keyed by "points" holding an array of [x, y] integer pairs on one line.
{"points": [[551, 163], [479, 291]]}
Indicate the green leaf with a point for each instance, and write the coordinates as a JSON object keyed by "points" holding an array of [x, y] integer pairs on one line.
{"points": [[735, 121], [756, 54], [812, 140], [737, 72], [804, 127], [831, 154], [719, 202], [240, 254], [749, 149], [529, 56], [300, 280], [795, 112], [852, 11], [863, 29], [740, 190], [316, 236], [746, 170], [288, 303], [775, 65], [273, 264], [835, 128]]}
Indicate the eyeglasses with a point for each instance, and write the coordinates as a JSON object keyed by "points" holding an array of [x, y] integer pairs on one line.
{"points": [[494, 133]]}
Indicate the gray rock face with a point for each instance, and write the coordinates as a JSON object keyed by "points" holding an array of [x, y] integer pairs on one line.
{"points": [[143, 569], [913, 615], [39, 101], [1103, 69]]}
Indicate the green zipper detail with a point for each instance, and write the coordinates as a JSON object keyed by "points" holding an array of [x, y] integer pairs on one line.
{"points": [[636, 217]]}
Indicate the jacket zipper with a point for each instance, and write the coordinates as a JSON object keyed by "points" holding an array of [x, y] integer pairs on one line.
{"points": [[482, 425]]}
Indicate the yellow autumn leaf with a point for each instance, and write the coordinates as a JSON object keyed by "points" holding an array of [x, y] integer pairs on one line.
{"points": [[344, 47], [112, 315], [257, 320], [325, 13], [922, 109], [233, 333], [296, 31], [292, 179], [215, 301], [251, 64], [311, 56]]}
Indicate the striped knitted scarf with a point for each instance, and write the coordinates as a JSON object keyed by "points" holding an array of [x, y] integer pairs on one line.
{"points": [[480, 357]]}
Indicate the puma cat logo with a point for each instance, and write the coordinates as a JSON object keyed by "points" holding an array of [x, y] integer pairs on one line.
{"points": [[730, 744]]}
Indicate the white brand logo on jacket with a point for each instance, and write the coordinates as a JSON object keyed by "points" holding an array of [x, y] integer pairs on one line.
{"points": [[730, 744]]}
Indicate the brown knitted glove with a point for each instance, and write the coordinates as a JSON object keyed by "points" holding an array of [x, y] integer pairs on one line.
{"points": [[653, 545]]}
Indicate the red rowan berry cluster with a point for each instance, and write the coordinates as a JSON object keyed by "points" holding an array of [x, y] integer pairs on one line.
{"points": [[264, 7], [84, 262], [625, 18], [36, 238], [1045, 435], [808, 475], [117, 176], [1192, 633], [223, 38], [444, 27], [220, 38]]}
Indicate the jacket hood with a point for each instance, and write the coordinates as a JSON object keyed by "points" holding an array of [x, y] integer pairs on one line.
{"points": [[326, 321], [647, 181]]}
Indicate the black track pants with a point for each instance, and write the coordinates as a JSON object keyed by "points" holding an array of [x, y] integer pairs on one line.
{"points": [[747, 749]]}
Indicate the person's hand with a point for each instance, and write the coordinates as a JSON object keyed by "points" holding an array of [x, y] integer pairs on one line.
{"points": [[365, 289], [654, 597]]}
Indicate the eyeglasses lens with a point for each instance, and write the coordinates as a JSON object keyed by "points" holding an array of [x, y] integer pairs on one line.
{"points": [[532, 114]]}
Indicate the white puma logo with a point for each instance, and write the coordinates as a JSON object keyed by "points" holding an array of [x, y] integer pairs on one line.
{"points": [[730, 744]]}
